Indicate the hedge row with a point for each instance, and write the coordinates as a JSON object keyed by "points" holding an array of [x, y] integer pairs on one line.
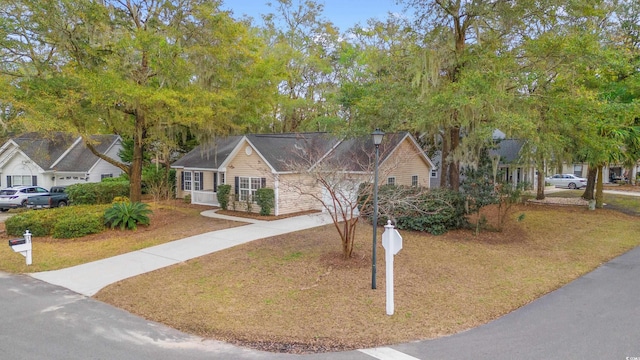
{"points": [[61, 223], [97, 193]]}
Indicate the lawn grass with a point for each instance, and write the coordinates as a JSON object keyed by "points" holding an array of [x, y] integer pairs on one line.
{"points": [[294, 293], [53, 254], [624, 203]]}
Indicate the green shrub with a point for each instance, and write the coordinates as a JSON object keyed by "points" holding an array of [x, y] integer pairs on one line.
{"points": [[97, 193], [120, 199], [78, 226], [223, 195], [122, 178], [39, 223], [45, 222], [159, 182], [127, 215], [265, 198]]}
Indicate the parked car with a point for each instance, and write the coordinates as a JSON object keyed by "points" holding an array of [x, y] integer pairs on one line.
{"points": [[567, 180], [57, 197], [15, 197]]}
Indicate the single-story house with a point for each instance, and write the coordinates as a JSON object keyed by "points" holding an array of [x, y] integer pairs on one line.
{"points": [[58, 159], [280, 161], [511, 167], [514, 167]]}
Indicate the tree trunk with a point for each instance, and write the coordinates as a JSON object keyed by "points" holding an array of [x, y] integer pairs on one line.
{"points": [[444, 163], [592, 174], [135, 174], [599, 194], [541, 183], [454, 166]]}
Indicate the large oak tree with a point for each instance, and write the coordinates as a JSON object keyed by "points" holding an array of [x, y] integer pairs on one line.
{"points": [[149, 70]]}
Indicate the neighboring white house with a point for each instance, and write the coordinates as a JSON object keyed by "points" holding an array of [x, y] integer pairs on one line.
{"points": [[59, 159]]}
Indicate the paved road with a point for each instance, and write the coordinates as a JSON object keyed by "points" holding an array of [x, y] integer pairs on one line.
{"points": [[594, 317], [44, 321]]}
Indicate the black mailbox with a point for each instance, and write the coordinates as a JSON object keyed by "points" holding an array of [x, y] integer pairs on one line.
{"points": [[20, 241]]}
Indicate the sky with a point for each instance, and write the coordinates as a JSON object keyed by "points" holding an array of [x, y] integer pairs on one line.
{"points": [[342, 13]]}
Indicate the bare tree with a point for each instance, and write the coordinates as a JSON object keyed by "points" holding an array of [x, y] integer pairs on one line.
{"points": [[341, 179]]}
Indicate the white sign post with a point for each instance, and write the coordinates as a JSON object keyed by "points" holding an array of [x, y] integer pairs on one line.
{"points": [[392, 243], [23, 246]]}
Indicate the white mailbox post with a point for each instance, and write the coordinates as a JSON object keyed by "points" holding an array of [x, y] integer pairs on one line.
{"points": [[392, 243], [23, 246]]}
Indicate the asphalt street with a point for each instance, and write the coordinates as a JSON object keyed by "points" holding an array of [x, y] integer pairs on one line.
{"points": [[594, 317], [44, 321]]}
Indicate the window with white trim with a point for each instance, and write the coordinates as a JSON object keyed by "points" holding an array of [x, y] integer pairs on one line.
{"points": [[434, 173], [186, 176], [21, 180], [105, 176], [391, 180], [248, 187], [414, 180], [197, 181]]}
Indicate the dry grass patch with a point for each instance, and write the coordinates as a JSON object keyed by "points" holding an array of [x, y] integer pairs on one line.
{"points": [[170, 220], [294, 293]]}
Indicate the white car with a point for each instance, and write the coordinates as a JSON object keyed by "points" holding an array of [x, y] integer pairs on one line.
{"points": [[567, 180], [14, 197]]}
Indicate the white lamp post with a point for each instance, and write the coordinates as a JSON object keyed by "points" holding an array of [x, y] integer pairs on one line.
{"points": [[377, 135]]}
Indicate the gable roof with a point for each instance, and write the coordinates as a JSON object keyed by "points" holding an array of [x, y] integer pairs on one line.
{"points": [[282, 151], [62, 151], [80, 158], [209, 156], [508, 150], [358, 153]]}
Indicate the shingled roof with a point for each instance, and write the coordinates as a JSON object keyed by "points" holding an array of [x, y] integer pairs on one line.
{"points": [[508, 150], [209, 156], [283, 151], [356, 154], [62, 151]]}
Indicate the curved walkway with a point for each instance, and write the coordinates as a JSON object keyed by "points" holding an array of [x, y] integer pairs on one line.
{"points": [[87, 279]]}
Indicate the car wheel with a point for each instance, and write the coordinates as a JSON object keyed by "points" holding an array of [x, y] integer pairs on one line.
{"points": [[4, 210], [62, 204], [24, 203], [572, 186]]}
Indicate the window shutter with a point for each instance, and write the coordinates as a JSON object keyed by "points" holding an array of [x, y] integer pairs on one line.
{"points": [[201, 185], [182, 180], [237, 181], [215, 182], [34, 180], [8, 180], [263, 182]]}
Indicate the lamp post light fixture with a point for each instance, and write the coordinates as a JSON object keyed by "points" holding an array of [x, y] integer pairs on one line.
{"points": [[377, 135]]}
